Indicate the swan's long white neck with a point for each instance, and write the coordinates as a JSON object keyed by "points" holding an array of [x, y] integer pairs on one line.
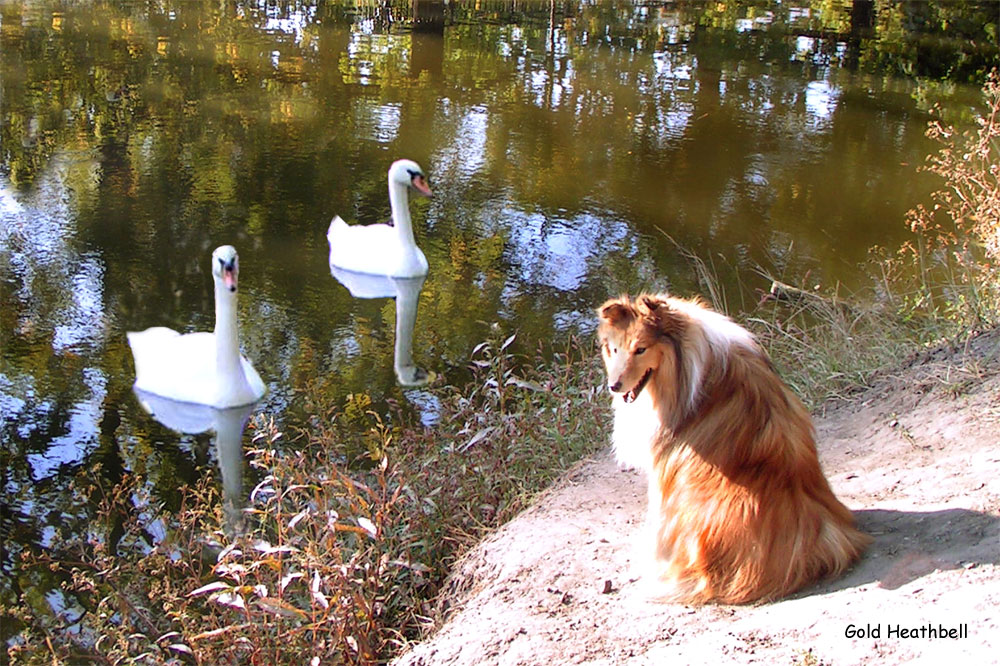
{"points": [[399, 202], [227, 340]]}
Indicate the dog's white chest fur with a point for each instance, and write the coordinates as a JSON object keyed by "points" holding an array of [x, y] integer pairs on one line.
{"points": [[635, 430]]}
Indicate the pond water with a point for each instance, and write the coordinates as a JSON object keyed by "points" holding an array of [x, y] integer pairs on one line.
{"points": [[573, 148]]}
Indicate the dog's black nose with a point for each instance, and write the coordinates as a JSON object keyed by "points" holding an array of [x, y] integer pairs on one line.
{"points": [[615, 388]]}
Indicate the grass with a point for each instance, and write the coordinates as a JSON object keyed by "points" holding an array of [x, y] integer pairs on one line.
{"points": [[332, 565], [943, 285], [342, 565]]}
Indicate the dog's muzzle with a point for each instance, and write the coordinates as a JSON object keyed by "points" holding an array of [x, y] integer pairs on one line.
{"points": [[630, 396]]}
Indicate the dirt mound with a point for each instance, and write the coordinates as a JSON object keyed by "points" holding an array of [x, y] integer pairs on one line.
{"points": [[915, 457]]}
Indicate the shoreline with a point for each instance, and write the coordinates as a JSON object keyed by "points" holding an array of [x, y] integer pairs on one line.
{"points": [[912, 457]]}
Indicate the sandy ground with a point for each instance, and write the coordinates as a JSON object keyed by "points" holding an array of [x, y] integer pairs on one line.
{"points": [[915, 457]]}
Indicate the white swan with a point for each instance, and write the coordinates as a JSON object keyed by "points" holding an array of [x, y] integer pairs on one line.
{"points": [[383, 249], [202, 368]]}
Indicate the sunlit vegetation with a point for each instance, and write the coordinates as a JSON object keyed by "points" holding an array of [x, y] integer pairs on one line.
{"points": [[346, 539], [352, 523], [942, 285]]}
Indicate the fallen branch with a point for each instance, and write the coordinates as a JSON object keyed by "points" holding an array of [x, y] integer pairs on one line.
{"points": [[786, 293]]}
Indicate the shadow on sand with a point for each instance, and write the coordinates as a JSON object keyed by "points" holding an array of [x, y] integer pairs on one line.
{"points": [[911, 544]]}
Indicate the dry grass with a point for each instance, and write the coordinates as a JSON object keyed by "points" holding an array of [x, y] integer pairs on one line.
{"points": [[942, 285]]}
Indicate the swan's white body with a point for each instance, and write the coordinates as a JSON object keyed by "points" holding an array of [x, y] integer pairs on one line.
{"points": [[201, 368], [383, 249]]}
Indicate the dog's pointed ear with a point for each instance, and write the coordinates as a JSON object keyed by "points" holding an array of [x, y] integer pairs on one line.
{"points": [[658, 313], [651, 303], [653, 307], [614, 311]]}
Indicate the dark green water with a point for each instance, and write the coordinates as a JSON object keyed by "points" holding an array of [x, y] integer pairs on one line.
{"points": [[561, 142]]}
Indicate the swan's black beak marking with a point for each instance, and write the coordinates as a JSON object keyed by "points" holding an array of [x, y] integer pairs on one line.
{"points": [[228, 273], [419, 182]]}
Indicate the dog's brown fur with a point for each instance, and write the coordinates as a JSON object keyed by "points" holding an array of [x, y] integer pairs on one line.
{"points": [[738, 505]]}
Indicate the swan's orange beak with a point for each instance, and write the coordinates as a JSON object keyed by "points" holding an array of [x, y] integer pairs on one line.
{"points": [[420, 185], [229, 278]]}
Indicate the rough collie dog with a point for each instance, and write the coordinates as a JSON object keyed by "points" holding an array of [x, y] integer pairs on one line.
{"points": [[739, 509]]}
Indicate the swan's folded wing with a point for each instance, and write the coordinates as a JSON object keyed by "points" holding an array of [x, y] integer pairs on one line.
{"points": [[371, 248], [336, 224], [145, 347], [180, 367], [257, 386]]}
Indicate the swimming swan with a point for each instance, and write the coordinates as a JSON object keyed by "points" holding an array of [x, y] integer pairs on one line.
{"points": [[202, 368], [383, 249]]}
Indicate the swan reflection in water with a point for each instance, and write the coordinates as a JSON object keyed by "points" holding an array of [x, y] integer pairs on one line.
{"points": [[406, 291], [227, 424]]}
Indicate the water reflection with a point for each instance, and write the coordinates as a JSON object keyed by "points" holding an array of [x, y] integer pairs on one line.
{"points": [[559, 253], [227, 424], [57, 286], [56, 310], [406, 292], [562, 137]]}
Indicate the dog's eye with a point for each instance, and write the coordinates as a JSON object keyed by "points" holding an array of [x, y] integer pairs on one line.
{"points": [[639, 350]]}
